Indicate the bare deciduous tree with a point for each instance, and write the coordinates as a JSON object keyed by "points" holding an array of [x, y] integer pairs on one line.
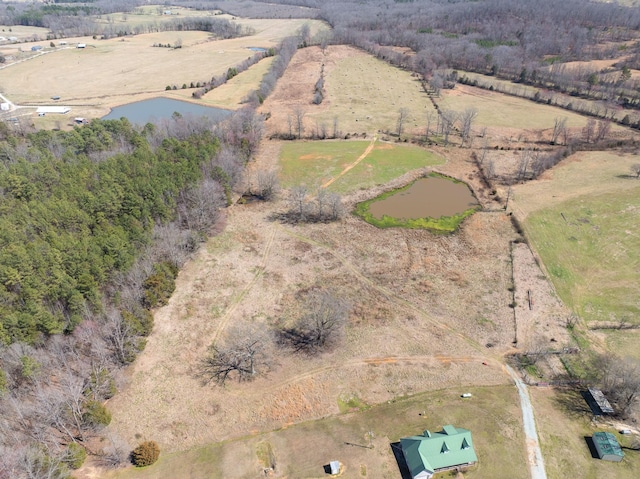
{"points": [[403, 113], [322, 323], [466, 118], [266, 185], [619, 378], [299, 115], [588, 132], [559, 126], [635, 169], [447, 121], [244, 353], [602, 130]]}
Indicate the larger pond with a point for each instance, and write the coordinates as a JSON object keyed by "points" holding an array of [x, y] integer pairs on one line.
{"points": [[435, 202], [146, 111]]}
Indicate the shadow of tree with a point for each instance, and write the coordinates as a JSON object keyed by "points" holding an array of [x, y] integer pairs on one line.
{"points": [[573, 402]]}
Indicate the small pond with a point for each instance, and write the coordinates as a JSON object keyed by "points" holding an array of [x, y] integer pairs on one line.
{"points": [[146, 111], [434, 202], [257, 49]]}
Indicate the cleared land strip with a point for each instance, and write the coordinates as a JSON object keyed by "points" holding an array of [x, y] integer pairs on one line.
{"points": [[374, 362], [354, 164], [224, 320], [403, 303]]}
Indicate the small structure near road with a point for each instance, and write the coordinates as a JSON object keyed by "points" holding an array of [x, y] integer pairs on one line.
{"points": [[63, 110], [598, 403], [440, 451], [607, 446]]}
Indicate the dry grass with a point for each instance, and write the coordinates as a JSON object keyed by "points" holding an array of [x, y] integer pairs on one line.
{"points": [[583, 174], [300, 451], [363, 93], [499, 110], [405, 288], [122, 70]]}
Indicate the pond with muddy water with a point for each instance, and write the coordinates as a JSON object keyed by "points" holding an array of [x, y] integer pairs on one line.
{"points": [[434, 202]]}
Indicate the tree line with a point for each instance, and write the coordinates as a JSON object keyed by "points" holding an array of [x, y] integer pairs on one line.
{"points": [[96, 223]]}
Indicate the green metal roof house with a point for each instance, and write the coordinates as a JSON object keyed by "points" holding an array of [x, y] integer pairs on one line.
{"points": [[433, 452], [607, 446]]}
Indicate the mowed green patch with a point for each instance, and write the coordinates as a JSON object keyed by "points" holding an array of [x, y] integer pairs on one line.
{"points": [[590, 246], [301, 451], [500, 110], [564, 421], [315, 163]]}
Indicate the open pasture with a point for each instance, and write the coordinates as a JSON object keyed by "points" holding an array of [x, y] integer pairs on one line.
{"points": [[583, 219], [361, 441], [121, 70], [316, 163], [498, 110], [361, 94], [24, 33]]}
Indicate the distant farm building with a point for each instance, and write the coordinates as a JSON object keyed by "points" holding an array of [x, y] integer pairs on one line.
{"points": [[435, 452], [598, 403], [53, 109], [63, 42], [81, 45], [35, 48], [607, 447], [4, 106], [80, 121]]}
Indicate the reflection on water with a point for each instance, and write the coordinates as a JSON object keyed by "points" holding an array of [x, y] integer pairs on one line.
{"points": [[431, 197], [145, 111]]}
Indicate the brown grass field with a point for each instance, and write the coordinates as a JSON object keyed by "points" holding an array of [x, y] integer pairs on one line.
{"points": [[127, 69], [364, 94]]}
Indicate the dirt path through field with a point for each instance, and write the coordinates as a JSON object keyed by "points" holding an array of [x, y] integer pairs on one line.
{"points": [[355, 163], [397, 300]]}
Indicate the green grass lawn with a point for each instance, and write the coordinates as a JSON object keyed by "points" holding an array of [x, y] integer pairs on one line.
{"points": [[563, 427], [593, 253], [300, 451], [314, 163]]}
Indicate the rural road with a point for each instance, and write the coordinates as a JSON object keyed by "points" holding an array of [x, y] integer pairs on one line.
{"points": [[534, 454]]}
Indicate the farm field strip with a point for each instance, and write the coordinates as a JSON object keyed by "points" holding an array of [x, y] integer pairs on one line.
{"points": [[501, 110]]}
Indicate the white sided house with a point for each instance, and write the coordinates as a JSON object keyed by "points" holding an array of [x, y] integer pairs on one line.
{"points": [[63, 110]]}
